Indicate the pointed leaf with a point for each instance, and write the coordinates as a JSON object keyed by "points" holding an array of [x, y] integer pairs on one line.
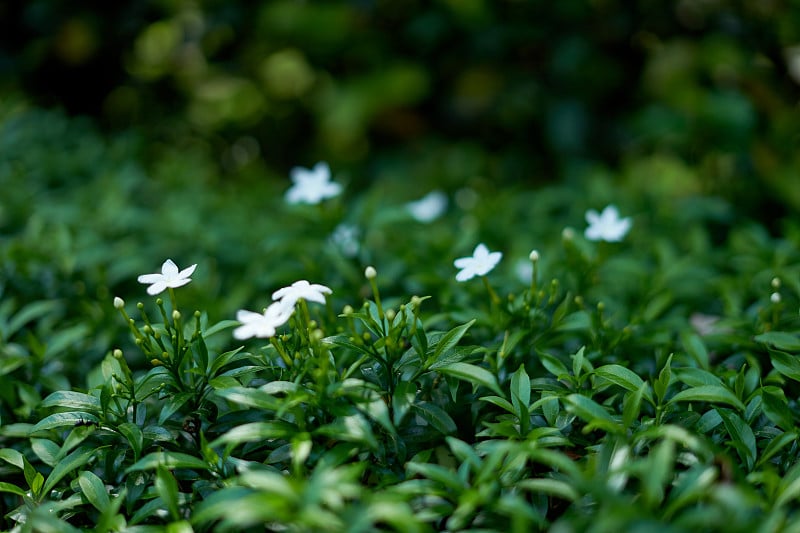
{"points": [[708, 393]]}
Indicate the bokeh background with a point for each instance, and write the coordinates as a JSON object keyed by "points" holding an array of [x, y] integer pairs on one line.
{"points": [[695, 94]]}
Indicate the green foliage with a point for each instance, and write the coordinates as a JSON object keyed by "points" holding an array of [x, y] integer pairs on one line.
{"points": [[647, 384]]}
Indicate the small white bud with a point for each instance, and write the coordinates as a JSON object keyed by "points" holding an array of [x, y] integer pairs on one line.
{"points": [[370, 272], [119, 303], [534, 256]]}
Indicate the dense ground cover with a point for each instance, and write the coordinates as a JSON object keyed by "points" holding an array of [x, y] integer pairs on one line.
{"points": [[548, 280], [593, 385]]}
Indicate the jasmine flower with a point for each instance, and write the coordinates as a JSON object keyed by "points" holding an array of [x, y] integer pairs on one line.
{"points": [[345, 238], [261, 324], [606, 226], [480, 264], [429, 207], [312, 186], [169, 277], [311, 292]]}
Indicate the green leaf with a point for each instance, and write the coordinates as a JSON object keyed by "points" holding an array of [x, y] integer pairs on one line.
{"points": [[776, 407], [777, 444], [256, 431], [786, 364], [631, 405], [780, 340], [76, 459], [13, 489], [577, 362], [694, 346], [220, 326], [448, 341], [625, 378], [226, 359], [72, 400], [94, 490], [167, 489], [551, 487], [592, 413], [474, 374], [554, 366], [708, 393], [172, 405], [436, 417], [742, 436], [64, 419], [133, 433], [169, 460], [521, 390], [12, 457], [445, 476], [664, 379], [30, 312]]}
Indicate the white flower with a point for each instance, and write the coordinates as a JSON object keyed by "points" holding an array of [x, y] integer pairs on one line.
{"points": [[345, 238], [169, 277], [312, 186], [480, 264], [310, 292], [261, 324], [606, 226], [429, 207]]}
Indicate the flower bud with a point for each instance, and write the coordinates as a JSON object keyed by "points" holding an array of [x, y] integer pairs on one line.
{"points": [[370, 272], [119, 303]]}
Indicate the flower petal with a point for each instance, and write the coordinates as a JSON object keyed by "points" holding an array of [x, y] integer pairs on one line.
{"points": [[169, 268], [186, 272]]}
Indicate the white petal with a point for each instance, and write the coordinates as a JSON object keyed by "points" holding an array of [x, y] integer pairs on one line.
{"points": [[186, 272], [169, 268], [156, 288], [150, 278]]}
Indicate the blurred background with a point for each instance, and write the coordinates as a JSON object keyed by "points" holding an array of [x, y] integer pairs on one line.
{"points": [[699, 95]]}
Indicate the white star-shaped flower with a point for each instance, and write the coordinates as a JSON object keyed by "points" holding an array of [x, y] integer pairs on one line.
{"points": [[480, 264], [429, 207], [310, 292], [169, 277], [261, 325], [606, 226], [312, 186]]}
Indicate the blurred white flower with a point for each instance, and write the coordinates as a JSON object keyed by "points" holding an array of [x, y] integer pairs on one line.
{"points": [[345, 238], [312, 186], [429, 207], [169, 277], [480, 264], [606, 226], [261, 324], [310, 292]]}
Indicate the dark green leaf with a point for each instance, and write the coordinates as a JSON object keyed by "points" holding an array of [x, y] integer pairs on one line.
{"points": [[436, 417], [781, 340], [474, 374], [709, 393]]}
